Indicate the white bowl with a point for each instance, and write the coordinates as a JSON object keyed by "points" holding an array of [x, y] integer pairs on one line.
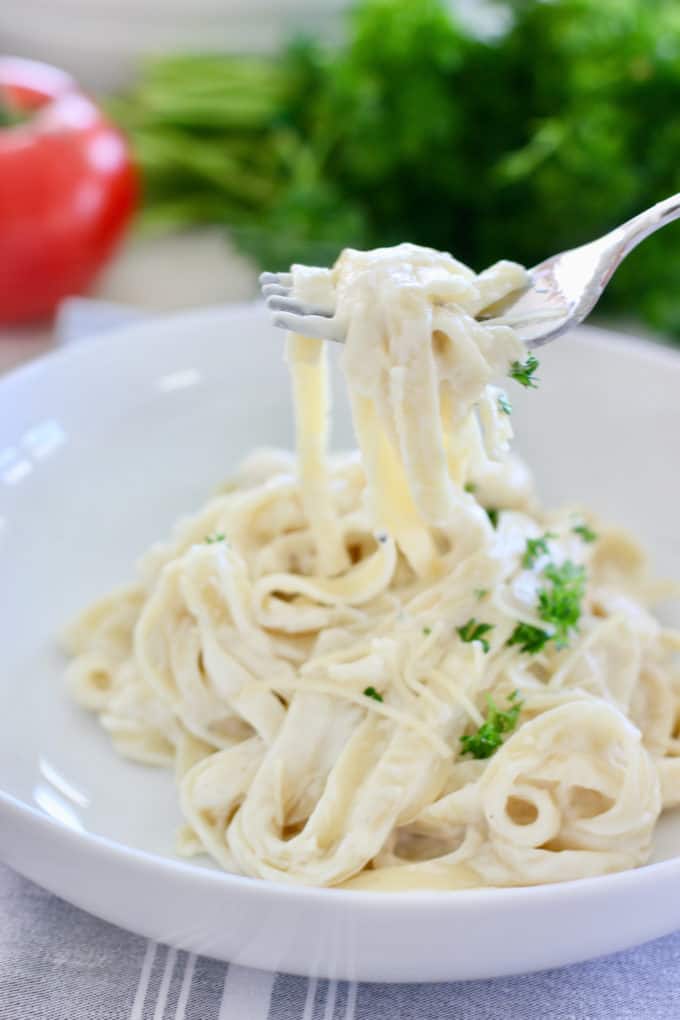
{"points": [[102, 446]]}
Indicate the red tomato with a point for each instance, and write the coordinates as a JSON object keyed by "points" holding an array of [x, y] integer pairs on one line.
{"points": [[67, 190]]}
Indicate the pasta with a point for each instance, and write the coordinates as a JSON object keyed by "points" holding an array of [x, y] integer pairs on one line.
{"points": [[394, 670]]}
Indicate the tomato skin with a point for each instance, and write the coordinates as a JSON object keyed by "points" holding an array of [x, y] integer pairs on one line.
{"points": [[68, 189]]}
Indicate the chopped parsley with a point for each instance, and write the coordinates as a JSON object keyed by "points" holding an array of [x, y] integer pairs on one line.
{"points": [[530, 639], [586, 533], [371, 692], [211, 539], [470, 487], [492, 513], [489, 736], [504, 405], [474, 631], [560, 604], [427, 631], [536, 547], [481, 593], [523, 372]]}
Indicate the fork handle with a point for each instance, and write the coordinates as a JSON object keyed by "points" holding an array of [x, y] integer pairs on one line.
{"points": [[645, 223]]}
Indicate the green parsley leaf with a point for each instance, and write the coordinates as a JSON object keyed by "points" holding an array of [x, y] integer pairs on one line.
{"points": [[427, 631], [481, 593], [536, 547], [523, 372], [371, 692], [492, 513], [489, 736], [586, 533], [560, 604], [504, 405], [470, 487], [211, 539], [530, 639], [474, 631]]}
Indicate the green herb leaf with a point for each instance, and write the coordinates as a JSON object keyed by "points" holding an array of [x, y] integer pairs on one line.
{"points": [[536, 547], [530, 639], [523, 372], [492, 513], [481, 593], [311, 149], [427, 631], [371, 692], [489, 737], [474, 631], [504, 405], [211, 539], [586, 533], [470, 487], [560, 604]]}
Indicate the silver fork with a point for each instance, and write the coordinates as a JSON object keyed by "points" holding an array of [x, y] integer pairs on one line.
{"points": [[563, 290]]}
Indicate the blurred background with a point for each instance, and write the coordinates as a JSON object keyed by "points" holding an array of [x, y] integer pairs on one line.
{"points": [[261, 132]]}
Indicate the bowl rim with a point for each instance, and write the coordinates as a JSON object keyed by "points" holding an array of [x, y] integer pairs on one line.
{"points": [[652, 348], [211, 878]]}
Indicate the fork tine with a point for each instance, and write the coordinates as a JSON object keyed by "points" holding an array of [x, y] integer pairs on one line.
{"points": [[279, 279], [535, 329], [278, 303], [321, 326], [275, 290]]}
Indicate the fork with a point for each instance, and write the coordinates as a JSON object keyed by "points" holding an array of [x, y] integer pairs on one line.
{"points": [[562, 290]]}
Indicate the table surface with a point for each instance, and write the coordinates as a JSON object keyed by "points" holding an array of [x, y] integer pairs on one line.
{"points": [[159, 274]]}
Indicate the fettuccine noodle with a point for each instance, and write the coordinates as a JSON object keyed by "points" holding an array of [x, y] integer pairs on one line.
{"points": [[313, 652]]}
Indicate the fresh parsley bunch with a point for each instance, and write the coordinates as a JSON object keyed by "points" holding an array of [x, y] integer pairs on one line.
{"points": [[518, 143]]}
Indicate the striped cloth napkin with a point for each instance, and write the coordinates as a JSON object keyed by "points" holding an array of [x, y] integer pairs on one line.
{"points": [[58, 963]]}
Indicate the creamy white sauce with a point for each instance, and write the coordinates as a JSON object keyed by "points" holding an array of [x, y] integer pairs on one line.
{"points": [[251, 664]]}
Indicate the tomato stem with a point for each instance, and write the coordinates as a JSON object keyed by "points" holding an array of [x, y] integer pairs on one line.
{"points": [[10, 115]]}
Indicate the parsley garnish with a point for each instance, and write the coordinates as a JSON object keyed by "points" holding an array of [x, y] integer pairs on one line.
{"points": [[536, 547], [470, 487], [504, 405], [523, 372], [489, 736], [530, 639], [481, 593], [560, 604], [586, 533], [371, 692], [474, 631], [492, 513], [211, 539], [427, 631]]}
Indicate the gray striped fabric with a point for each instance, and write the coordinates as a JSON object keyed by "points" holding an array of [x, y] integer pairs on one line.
{"points": [[58, 963]]}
